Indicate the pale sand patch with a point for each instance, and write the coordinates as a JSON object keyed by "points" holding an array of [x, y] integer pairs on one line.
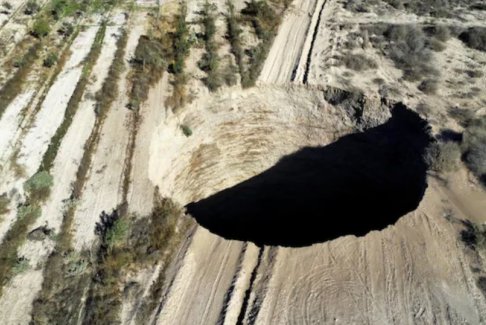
{"points": [[51, 113], [103, 189], [10, 122], [15, 302], [47, 120]]}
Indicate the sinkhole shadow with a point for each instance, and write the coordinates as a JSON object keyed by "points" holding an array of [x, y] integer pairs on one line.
{"points": [[362, 182]]}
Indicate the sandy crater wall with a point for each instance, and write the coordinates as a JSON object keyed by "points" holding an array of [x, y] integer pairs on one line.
{"points": [[239, 134]]}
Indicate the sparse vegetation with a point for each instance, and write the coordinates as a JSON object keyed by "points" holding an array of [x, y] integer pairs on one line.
{"points": [[38, 187], [128, 245], [4, 203], [148, 66], [14, 85], [41, 28], [50, 60], [407, 47], [461, 115], [72, 106], [64, 8], [181, 45], [474, 148], [475, 38], [265, 21], [210, 62], [31, 7], [358, 62], [7, 5], [443, 156], [104, 99], [186, 130], [14, 237], [234, 36], [428, 86]]}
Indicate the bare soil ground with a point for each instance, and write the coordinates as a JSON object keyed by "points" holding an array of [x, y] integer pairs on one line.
{"points": [[418, 270]]}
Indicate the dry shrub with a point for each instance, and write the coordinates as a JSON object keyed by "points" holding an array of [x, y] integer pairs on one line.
{"points": [[38, 187], [359, 62], [443, 156], [428, 86], [474, 148], [475, 38], [4, 203]]}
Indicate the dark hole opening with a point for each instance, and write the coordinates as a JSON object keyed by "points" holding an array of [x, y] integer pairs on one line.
{"points": [[362, 182]]}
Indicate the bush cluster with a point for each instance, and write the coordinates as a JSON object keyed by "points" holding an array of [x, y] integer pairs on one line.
{"points": [[475, 38], [474, 148], [443, 156], [50, 60], [4, 202], [38, 187], [41, 28], [148, 66], [358, 62], [31, 7], [210, 60]]}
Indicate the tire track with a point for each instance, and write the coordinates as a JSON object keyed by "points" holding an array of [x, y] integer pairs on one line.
{"points": [[314, 36], [244, 306]]}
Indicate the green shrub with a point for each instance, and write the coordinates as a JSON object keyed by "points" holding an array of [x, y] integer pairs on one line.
{"points": [[20, 266], [7, 5], [186, 130], [209, 62], [50, 60], [38, 187], [14, 85], [117, 232], [443, 156], [41, 28], [63, 8]]}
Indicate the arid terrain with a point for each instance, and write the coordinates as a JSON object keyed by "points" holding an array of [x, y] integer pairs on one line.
{"points": [[243, 162]]}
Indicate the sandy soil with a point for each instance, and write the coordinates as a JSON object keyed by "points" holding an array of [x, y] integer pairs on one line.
{"points": [[153, 113], [285, 118], [102, 191], [47, 120], [286, 52], [16, 300], [416, 271], [64, 172], [198, 293], [407, 273], [10, 122]]}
